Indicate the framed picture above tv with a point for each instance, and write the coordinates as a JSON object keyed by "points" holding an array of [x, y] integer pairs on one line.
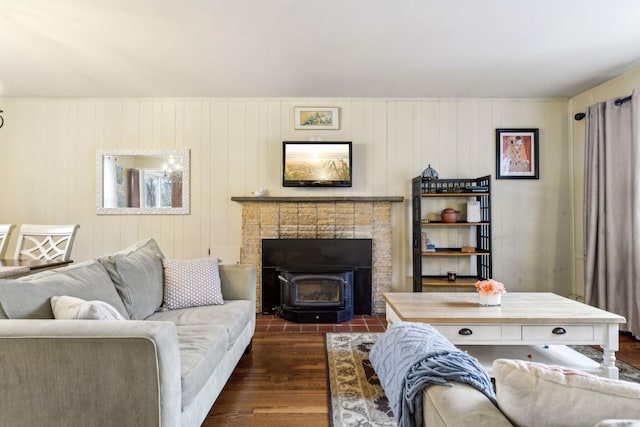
{"points": [[322, 118], [317, 164]]}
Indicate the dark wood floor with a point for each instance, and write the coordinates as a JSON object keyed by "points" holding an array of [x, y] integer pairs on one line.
{"points": [[283, 382], [629, 350]]}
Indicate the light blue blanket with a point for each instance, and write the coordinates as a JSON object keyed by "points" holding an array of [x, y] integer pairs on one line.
{"points": [[411, 356]]}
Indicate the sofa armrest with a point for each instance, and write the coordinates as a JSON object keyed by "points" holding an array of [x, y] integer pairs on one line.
{"points": [[238, 282], [88, 372], [460, 405]]}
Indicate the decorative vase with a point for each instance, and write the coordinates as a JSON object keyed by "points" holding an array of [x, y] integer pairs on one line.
{"points": [[449, 215], [490, 300]]}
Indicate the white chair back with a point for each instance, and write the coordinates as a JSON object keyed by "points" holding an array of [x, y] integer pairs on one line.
{"points": [[5, 234], [50, 242]]}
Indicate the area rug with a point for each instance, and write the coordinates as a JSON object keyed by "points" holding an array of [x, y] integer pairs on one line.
{"points": [[627, 372], [358, 399]]}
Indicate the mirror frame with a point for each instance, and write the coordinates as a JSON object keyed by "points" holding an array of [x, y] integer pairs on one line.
{"points": [[186, 168]]}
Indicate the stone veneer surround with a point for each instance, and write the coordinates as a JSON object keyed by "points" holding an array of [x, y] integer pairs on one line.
{"points": [[320, 218]]}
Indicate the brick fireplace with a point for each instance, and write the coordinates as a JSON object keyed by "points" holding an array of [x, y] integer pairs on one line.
{"points": [[320, 218]]}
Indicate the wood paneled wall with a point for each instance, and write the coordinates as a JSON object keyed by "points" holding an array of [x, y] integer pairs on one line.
{"points": [[48, 148]]}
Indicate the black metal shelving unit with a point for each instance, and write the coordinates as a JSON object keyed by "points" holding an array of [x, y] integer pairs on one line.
{"points": [[477, 188]]}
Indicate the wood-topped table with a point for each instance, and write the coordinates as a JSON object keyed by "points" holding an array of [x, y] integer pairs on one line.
{"points": [[12, 268], [524, 318]]}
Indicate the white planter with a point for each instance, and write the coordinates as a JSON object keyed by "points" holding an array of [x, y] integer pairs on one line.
{"points": [[490, 300]]}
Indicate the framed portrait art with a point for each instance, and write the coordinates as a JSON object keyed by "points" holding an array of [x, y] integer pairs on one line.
{"points": [[517, 154], [316, 118]]}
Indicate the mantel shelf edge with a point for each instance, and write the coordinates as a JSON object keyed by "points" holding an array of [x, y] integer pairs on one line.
{"points": [[319, 199]]}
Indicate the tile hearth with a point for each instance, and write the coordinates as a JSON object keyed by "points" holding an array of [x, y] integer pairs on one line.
{"points": [[359, 323]]}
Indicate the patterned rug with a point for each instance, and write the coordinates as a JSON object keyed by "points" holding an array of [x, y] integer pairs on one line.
{"points": [[357, 398], [627, 372]]}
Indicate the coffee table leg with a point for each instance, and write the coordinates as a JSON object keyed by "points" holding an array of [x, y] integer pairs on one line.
{"points": [[609, 364], [609, 368]]}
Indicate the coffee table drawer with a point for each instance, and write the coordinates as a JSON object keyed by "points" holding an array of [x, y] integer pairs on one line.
{"points": [[565, 333], [470, 332]]}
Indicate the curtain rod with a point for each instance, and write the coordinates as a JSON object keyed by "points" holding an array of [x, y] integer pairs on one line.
{"points": [[618, 102]]}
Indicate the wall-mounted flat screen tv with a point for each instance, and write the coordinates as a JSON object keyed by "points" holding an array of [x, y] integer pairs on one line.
{"points": [[316, 164]]}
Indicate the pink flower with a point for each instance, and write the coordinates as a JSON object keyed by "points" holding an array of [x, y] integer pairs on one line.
{"points": [[488, 287]]}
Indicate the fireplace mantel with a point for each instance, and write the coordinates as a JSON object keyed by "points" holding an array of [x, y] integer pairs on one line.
{"points": [[319, 199]]}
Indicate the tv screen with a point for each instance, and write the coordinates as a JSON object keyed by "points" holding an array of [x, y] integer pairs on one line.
{"points": [[316, 164]]}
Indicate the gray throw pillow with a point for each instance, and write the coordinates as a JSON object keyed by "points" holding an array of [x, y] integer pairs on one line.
{"points": [[138, 277]]}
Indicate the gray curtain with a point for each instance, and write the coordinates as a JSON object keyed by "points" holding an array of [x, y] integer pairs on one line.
{"points": [[612, 209]]}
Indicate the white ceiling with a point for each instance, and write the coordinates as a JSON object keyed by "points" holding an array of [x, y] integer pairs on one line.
{"points": [[304, 48]]}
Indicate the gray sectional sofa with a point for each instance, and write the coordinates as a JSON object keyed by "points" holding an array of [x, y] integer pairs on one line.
{"points": [[157, 368]]}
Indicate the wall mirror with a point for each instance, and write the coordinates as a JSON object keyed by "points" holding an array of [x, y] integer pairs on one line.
{"points": [[142, 182]]}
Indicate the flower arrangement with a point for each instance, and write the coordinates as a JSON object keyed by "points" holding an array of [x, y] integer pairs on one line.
{"points": [[490, 287]]}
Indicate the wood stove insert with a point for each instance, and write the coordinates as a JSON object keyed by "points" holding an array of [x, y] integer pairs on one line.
{"points": [[322, 257], [325, 297]]}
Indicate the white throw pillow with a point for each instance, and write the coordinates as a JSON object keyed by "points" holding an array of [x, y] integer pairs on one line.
{"points": [[534, 394], [191, 283], [72, 308]]}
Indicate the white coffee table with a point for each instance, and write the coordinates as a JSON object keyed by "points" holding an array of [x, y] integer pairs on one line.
{"points": [[540, 320]]}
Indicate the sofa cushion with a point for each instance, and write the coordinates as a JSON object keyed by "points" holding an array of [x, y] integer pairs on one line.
{"points": [[202, 348], [29, 296], [234, 315], [138, 276], [72, 308], [534, 394], [191, 283]]}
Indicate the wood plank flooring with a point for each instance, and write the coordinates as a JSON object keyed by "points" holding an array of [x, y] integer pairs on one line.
{"points": [[283, 382], [629, 350]]}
